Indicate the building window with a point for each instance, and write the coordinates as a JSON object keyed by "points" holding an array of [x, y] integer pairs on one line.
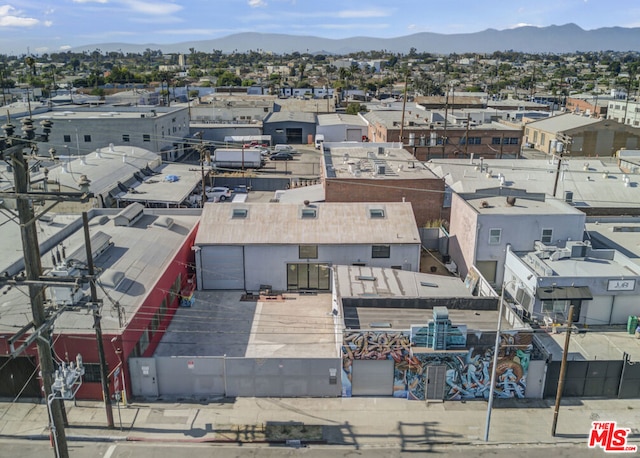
{"points": [[309, 213], [239, 213], [381, 251], [92, 373], [535, 136], [495, 140], [66, 138], [125, 138], [475, 140], [542, 138], [554, 306], [547, 235], [155, 322], [514, 140], [494, 236], [87, 138], [146, 138], [308, 251]]}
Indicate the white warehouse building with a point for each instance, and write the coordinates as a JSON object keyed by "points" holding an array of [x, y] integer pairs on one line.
{"points": [[291, 247]]}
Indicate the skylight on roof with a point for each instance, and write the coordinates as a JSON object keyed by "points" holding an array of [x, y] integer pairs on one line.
{"points": [[239, 213]]}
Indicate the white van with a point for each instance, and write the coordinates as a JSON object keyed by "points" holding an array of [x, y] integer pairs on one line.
{"points": [[319, 140], [281, 147]]}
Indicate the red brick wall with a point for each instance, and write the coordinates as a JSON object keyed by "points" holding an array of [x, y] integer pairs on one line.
{"points": [[426, 195]]}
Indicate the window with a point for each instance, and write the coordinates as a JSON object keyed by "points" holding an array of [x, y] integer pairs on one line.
{"points": [[514, 140], [308, 251], [87, 138], [66, 138], [146, 138], [547, 235], [376, 213], [542, 138], [92, 373], [475, 140], [309, 213], [239, 213], [381, 251], [155, 322], [494, 236], [125, 137], [495, 140], [554, 306]]}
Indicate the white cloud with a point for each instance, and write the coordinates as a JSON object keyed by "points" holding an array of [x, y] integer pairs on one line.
{"points": [[156, 9], [65, 48], [374, 12], [257, 3], [521, 24], [90, 1], [10, 17]]}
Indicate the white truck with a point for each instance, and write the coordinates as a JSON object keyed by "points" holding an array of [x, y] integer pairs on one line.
{"points": [[319, 140], [236, 158]]}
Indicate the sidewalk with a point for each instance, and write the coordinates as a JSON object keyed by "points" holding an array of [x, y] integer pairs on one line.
{"points": [[356, 422]]}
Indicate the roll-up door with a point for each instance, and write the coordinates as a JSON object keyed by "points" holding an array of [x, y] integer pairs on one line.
{"points": [[223, 267], [372, 378]]}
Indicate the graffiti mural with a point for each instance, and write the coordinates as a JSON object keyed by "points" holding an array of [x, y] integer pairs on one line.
{"points": [[468, 372], [393, 345]]}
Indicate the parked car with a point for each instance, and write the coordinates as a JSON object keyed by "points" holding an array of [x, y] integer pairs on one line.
{"points": [[218, 194], [240, 189], [281, 156]]}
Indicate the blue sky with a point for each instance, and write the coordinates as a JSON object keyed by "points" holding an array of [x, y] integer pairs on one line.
{"points": [[48, 26]]}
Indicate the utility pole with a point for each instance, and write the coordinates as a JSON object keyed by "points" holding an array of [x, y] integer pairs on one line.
{"points": [[33, 270], [446, 114], [563, 371], [11, 147], [96, 323], [555, 183], [404, 104]]}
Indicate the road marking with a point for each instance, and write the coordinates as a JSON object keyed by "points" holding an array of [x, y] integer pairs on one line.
{"points": [[109, 451]]}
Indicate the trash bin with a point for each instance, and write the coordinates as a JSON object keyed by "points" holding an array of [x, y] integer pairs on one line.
{"points": [[632, 324]]}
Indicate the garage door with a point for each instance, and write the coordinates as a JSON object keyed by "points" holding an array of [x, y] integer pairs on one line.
{"points": [[598, 310], [372, 378], [623, 306], [223, 267], [354, 135]]}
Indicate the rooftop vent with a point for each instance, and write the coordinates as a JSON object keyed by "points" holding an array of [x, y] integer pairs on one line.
{"points": [[511, 201]]}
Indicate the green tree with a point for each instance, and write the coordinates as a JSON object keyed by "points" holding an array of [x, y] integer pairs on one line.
{"points": [[354, 108], [229, 79]]}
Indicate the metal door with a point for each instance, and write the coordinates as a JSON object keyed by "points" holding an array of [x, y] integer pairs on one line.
{"points": [[144, 378], [222, 267], [436, 382], [372, 378]]}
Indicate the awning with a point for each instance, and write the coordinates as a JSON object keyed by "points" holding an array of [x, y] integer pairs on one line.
{"points": [[564, 293]]}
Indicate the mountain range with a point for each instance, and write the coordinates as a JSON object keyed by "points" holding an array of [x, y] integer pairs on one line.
{"points": [[553, 39]]}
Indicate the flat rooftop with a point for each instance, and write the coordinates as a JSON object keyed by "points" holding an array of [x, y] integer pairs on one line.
{"points": [[141, 252], [158, 189], [363, 160], [622, 234], [402, 319], [333, 223], [362, 283], [498, 205], [592, 344], [222, 323], [592, 182]]}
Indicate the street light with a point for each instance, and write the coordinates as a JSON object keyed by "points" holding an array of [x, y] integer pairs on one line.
{"points": [[496, 349]]}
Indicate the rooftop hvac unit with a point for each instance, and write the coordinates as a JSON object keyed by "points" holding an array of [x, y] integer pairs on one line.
{"points": [[568, 197], [380, 169]]}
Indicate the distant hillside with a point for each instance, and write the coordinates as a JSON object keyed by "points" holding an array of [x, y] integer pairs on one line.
{"points": [[553, 39]]}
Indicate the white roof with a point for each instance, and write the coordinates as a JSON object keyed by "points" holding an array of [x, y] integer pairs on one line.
{"points": [[283, 224], [584, 177]]}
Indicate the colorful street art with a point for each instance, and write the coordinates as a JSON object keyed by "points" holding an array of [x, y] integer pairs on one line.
{"points": [[468, 372]]}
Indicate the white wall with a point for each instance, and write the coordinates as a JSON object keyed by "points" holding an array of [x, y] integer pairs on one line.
{"points": [[266, 264]]}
